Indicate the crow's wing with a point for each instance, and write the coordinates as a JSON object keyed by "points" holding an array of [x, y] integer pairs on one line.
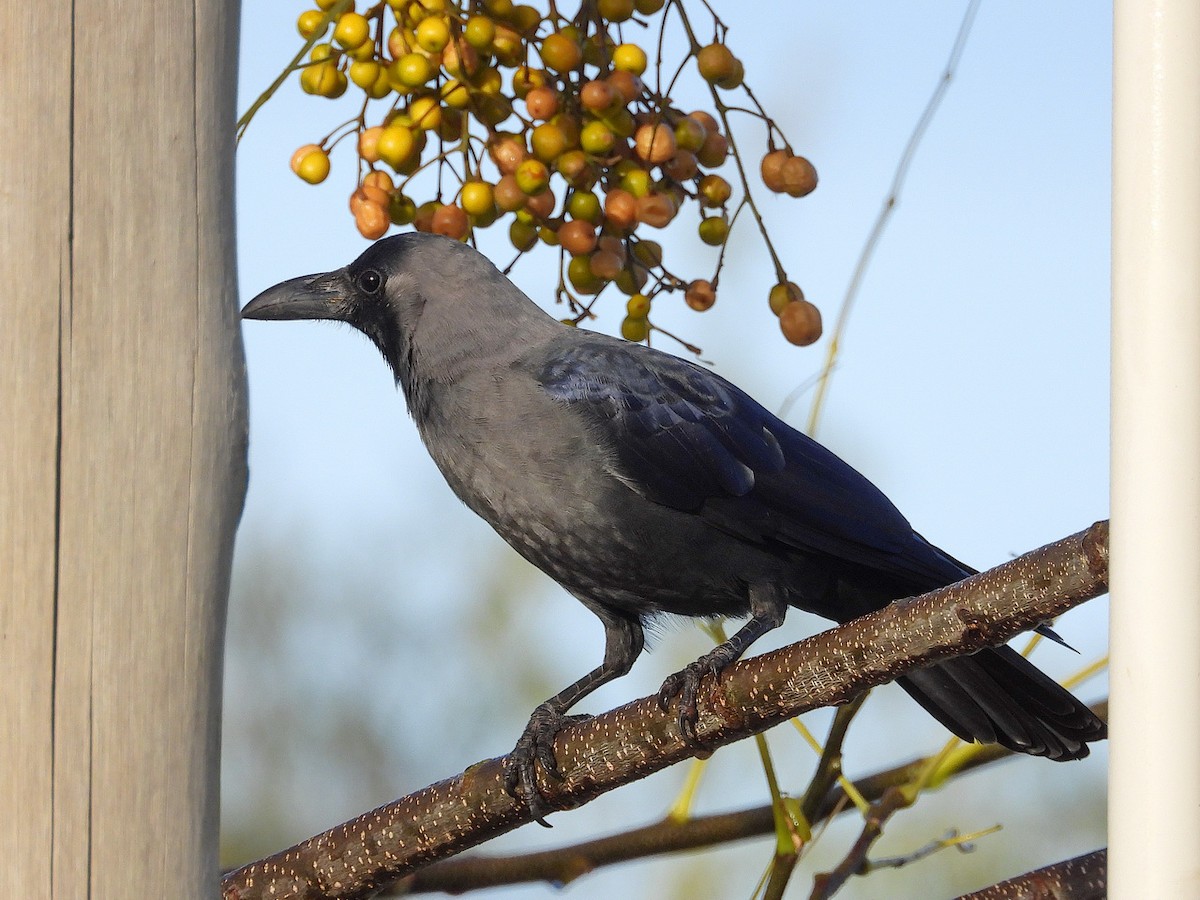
{"points": [[687, 438]]}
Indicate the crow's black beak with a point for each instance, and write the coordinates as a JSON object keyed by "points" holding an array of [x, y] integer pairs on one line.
{"points": [[323, 296]]}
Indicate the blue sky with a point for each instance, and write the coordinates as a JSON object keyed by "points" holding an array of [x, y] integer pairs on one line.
{"points": [[972, 388]]}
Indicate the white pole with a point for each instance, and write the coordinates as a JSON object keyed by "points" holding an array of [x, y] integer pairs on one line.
{"points": [[1154, 780]]}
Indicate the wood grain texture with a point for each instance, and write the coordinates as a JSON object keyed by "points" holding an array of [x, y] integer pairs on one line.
{"points": [[123, 464], [34, 221]]}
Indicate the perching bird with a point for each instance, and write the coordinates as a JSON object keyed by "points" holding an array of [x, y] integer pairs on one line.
{"points": [[645, 484]]}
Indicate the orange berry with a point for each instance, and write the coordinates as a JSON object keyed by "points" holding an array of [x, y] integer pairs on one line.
{"points": [[800, 322], [700, 295], [509, 197], [799, 177], [628, 85], [541, 103], [657, 210], [654, 143], [368, 143], [541, 205], [379, 179], [372, 221], [772, 169], [714, 150], [451, 221], [621, 209], [682, 166], [507, 153], [577, 237]]}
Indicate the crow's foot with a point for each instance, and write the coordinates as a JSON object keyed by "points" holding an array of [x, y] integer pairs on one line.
{"points": [[685, 685], [536, 745]]}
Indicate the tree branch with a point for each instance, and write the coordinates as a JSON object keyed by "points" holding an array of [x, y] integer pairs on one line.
{"points": [[360, 857], [1082, 878], [563, 864]]}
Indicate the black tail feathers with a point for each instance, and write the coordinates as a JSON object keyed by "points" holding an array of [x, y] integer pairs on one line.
{"points": [[998, 696]]}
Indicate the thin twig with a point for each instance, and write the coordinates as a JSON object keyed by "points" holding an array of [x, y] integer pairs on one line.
{"points": [[889, 206]]}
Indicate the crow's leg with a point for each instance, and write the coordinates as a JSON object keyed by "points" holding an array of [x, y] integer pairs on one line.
{"points": [[623, 642], [767, 610]]}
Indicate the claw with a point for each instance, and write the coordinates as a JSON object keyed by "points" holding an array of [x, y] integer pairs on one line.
{"points": [[536, 745], [685, 685]]}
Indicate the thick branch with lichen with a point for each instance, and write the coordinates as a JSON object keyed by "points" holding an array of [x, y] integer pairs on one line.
{"points": [[358, 858]]}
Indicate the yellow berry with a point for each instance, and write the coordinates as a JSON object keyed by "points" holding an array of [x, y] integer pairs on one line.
{"points": [[413, 69], [479, 32], [615, 10], [352, 30], [782, 294], [713, 231], [433, 34], [523, 236], [532, 176], [597, 138], [635, 328], [454, 94], [525, 18], [560, 53], [394, 145], [365, 74], [548, 142], [579, 273], [584, 205], [477, 198], [629, 58], [401, 209], [311, 163], [638, 306], [310, 23], [426, 112]]}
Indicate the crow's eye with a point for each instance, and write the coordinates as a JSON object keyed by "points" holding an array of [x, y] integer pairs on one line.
{"points": [[370, 281]]}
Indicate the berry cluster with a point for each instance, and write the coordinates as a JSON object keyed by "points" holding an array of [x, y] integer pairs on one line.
{"points": [[545, 122]]}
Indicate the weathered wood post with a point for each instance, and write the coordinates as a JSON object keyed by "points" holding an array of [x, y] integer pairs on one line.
{"points": [[122, 443]]}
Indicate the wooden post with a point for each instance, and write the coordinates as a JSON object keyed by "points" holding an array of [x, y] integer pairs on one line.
{"points": [[122, 443]]}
